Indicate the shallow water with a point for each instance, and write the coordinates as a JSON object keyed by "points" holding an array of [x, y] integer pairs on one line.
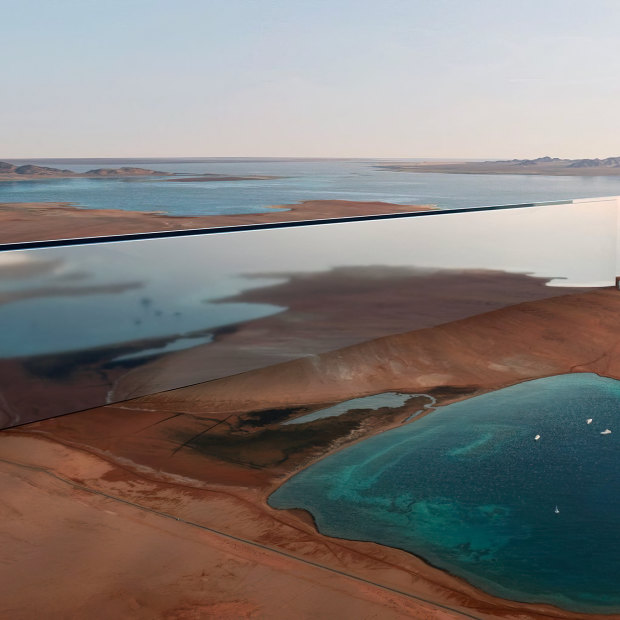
{"points": [[469, 489], [300, 180], [376, 401]]}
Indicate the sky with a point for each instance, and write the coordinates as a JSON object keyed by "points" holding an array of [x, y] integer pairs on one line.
{"points": [[309, 78]]}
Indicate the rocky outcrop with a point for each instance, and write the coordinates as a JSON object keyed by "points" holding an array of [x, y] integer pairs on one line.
{"points": [[125, 171], [596, 163], [41, 170], [538, 160]]}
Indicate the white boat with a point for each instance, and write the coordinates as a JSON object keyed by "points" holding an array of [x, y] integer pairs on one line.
{"points": [[606, 432], [589, 421], [557, 510], [537, 438]]}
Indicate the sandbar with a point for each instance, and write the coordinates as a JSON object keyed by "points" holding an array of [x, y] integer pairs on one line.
{"points": [[35, 221]]}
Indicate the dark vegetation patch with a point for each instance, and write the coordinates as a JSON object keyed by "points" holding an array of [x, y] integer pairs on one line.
{"points": [[271, 447], [451, 391], [268, 445], [265, 417]]}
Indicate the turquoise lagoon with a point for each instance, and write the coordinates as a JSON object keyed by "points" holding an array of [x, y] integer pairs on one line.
{"points": [[469, 489]]}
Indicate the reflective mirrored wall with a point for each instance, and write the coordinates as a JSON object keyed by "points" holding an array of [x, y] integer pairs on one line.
{"points": [[85, 325]]}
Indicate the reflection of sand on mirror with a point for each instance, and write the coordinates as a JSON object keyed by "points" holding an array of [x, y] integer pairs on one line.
{"points": [[316, 312], [211, 454]]}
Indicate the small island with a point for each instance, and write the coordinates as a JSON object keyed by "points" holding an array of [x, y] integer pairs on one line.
{"points": [[549, 166]]}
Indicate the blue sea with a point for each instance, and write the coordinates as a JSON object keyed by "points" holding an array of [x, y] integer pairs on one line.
{"points": [[312, 179], [471, 490]]}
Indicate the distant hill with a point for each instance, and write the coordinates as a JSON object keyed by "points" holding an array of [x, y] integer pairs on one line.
{"points": [[42, 170], [11, 171], [525, 162], [551, 166], [125, 171], [613, 162], [569, 163]]}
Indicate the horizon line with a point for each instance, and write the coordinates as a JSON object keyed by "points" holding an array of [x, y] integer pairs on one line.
{"points": [[274, 157]]}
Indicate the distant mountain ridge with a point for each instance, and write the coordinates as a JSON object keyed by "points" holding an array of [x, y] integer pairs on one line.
{"points": [[11, 172], [543, 166], [570, 163], [44, 171], [596, 163]]}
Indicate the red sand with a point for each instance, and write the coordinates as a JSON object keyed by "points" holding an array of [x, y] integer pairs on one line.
{"points": [[43, 221], [326, 311], [82, 558], [89, 556]]}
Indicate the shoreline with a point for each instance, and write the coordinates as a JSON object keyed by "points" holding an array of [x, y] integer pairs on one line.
{"points": [[38, 221], [225, 485], [502, 168], [547, 609], [440, 587]]}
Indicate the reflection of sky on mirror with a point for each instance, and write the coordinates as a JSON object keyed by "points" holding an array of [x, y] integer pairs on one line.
{"points": [[572, 241], [175, 279]]}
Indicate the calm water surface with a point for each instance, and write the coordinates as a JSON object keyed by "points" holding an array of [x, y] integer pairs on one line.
{"points": [[302, 180], [469, 489], [366, 403]]}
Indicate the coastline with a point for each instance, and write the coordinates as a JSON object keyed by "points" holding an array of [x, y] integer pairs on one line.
{"points": [[157, 463], [417, 583], [531, 609], [502, 167], [37, 221]]}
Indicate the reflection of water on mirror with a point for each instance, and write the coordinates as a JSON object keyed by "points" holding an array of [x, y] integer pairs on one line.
{"points": [[151, 298]]}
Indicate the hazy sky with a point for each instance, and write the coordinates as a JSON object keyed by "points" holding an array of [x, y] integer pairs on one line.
{"points": [[357, 78]]}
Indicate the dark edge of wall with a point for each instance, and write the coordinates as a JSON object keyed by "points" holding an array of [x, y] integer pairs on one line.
{"points": [[53, 243]]}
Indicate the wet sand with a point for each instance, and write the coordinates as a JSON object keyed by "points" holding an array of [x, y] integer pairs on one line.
{"points": [[37, 221], [210, 455]]}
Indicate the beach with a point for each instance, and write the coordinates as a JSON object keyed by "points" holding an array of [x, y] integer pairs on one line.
{"points": [[44, 221], [211, 454]]}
